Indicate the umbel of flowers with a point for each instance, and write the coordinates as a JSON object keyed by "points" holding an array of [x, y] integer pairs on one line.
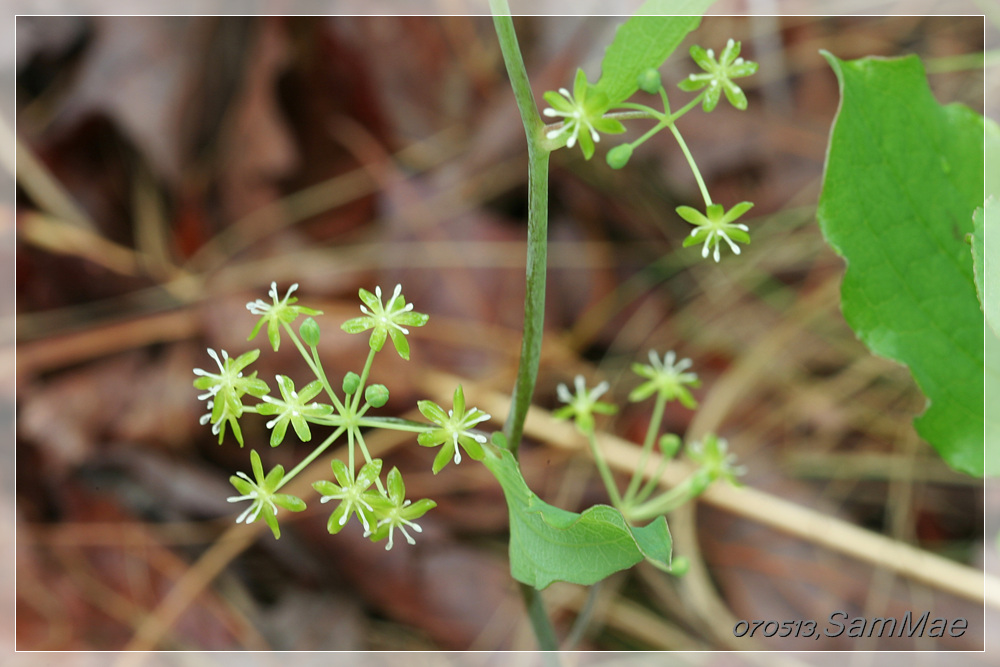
{"points": [[358, 490]]}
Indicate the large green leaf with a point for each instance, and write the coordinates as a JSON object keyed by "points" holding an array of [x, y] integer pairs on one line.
{"points": [[550, 544], [645, 41], [903, 177]]}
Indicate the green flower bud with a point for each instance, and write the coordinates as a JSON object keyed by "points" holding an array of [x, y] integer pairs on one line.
{"points": [[377, 395], [351, 382], [309, 331], [679, 566], [619, 156], [670, 444], [649, 81]]}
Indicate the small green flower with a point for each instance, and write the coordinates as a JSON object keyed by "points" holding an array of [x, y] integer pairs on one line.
{"points": [[583, 114], [454, 430], [224, 391], [665, 377], [277, 313], [395, 511], [582, 405], [295, 409], [353, 495], [718, 75], [388, 320], [715, 227], [712, 454], [260, 491]]}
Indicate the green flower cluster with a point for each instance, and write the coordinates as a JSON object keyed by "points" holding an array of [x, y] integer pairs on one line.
{"points": [[666, 378], [380, 507]]}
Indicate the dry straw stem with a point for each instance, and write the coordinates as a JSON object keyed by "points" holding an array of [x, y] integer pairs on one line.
{"points": [[772, 511], [32, 175]]}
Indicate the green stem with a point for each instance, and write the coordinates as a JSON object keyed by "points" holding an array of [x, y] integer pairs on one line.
{"points": [[395, 424], [690, 488], [364, 379], [583, 619], [652, 482], [691, 163], [604, 470], [538, 199], [321, 374], [534, 300], [544, 631], [674, 117], [314, 366], [638, 112], [309, 459], [656, 128], [647, 445]]}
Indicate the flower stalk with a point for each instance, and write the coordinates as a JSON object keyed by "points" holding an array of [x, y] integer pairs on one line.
{"points": [[537, 259]]}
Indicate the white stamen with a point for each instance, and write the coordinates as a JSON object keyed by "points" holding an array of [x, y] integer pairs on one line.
{"points": [[732, 246], [243, 516], [576, 132]]}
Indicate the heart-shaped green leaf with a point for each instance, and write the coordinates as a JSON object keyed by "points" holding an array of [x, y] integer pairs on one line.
{"points": [[550, 544], [903, 177]]}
